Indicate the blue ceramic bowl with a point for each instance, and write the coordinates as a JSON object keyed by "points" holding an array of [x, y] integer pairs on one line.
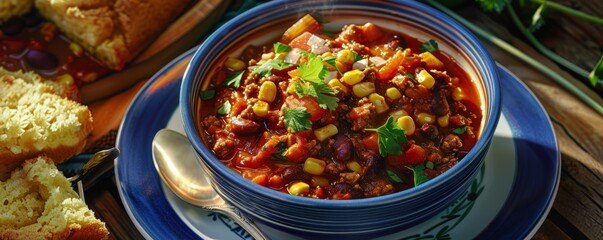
{"points": [[347, 219]]}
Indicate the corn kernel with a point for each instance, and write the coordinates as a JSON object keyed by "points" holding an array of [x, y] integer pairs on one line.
{"points": [[425, 79], [76, 49], [319, 181], [398, 114], [431, 61], [457, 94], [363, 89], [352, 77], [393, 93], [408, 124], [345, 56], [336, 84], [353, 166], [314, 166], [443, 120], [234, 64], [260, 108], [298, 188], [65, 79], [379, 102], [325, 132], [423, 118], [267, 91]]}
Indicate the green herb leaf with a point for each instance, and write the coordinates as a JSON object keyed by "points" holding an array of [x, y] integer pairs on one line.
{"points": [[207, 94], [390, 138], [596, 76], [493, 5], [282, 147], [298, 119], [331, 60], [313, 70], [357, 57], [429, 165], [234, 79], [429, 46], [409, 75], [281, 47], [393, 177], [324, 96], [419, 174], [266, 68], [460, 130], [224, 109]]}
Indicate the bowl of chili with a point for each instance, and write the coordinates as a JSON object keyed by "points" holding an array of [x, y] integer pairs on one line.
{"points": [[352, 119]]}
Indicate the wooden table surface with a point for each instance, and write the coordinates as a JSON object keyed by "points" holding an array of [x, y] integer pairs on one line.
{"points": [[577, 211]]}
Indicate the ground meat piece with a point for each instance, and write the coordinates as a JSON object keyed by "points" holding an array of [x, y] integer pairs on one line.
{"points": [[459, 106], [345, 191], [251, 90], [459, 120], [248, 113], [351, 33], [376, 187], [212, 124], [349, 177], [439, 103], [223, 147], [402, 81], [370, 74], [451, 142], [361, 115], [251, 79], [332, 169]]}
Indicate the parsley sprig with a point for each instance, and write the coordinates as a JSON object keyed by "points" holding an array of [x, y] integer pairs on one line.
{"points": [[266, 68], [312, 73], [297, 119], [390, 137]]}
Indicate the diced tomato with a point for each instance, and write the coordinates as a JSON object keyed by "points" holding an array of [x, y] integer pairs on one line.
{"points": [[297, 152], [260, 179], [371, 142], [276, 182], [264, 154], [301, 42], [390, 68], [415, 155], [310, 104]]}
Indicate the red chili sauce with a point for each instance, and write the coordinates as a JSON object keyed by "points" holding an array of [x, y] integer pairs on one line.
{"points": [[29, 43], [325, 115]]}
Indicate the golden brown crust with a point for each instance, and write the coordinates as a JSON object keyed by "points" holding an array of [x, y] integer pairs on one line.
{"points": [[114, 31]]}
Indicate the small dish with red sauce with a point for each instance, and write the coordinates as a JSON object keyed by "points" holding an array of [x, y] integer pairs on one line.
{"points": [[347, 119]]}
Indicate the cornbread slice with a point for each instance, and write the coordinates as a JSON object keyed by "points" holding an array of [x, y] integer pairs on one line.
{"points": [[34, 121], [11, 8], [112, 30], [38, 202]]}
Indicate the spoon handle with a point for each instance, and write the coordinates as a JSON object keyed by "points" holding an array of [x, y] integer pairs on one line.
{"points": [[244, 222]]}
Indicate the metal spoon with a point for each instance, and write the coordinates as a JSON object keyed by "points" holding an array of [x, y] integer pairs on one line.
{"points": [[175, 162], [100, 163]]}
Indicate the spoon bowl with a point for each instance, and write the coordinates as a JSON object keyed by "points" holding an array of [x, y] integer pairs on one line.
{"points": [[175, 161]]}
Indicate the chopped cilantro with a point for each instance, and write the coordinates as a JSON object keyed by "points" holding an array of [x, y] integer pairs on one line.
{"points": [[394, 177], [419, 174], [390, 138], [409, 75], [429, 46], [493, 5], [224, 109], [234, 79], [281, 47], [313, 70], [298, 119], [282, 147], [266, 68], [312, 73], [331, 60], [460, 130], [357, 57], [429, 165], [207, 94]]}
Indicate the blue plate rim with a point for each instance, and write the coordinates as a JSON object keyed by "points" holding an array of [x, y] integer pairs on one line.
{"points": [[143, 197]]}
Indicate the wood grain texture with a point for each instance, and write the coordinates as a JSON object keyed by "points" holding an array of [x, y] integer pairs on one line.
{"points": [[578, 208]]}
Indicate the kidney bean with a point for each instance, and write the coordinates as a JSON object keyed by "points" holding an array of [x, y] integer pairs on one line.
{"points": [[343, 148], [41, 59], [13, 26], [429, 131], [296, 173], [375, 165], [440, 104], [241, 126]]}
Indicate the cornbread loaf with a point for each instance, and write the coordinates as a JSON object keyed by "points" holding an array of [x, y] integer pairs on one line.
{"points": [[11, 8], [114, 31], [34, 120], [39, 203], [61, 89]]}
